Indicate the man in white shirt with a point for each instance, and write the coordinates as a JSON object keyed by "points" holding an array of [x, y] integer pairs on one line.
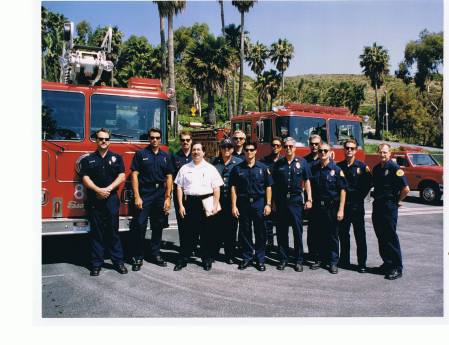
{"points": [[196, 181]]}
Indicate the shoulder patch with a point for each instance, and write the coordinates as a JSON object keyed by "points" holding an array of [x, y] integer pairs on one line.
{"points": [[342, 174], [400, 172]]}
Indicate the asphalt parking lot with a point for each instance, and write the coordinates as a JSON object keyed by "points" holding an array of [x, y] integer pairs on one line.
{"points": [[69, 292]]}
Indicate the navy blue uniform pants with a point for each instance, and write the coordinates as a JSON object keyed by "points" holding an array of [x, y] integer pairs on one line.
{"points": [[251, 215], [355, 215], [153, 207], [225, 228], [325, 223], [385, 218], [290, 214], [104, 222], [269, 226], [312, 237], [196, 223]]}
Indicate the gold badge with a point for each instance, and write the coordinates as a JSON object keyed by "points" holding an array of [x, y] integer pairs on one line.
{"points": [[332, 172], [342, 173], [367, 169], [400, 172], [358, 171], [386, 172]]}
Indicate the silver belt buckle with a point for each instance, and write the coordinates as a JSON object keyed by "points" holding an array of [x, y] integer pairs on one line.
{"points": [[288, 195], [322, 203], [251, 200], [157, 185]]}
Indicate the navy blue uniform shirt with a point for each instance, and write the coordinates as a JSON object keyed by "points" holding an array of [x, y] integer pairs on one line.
{"points": [[358, 177], [225, 172], [269, 161], [309, 159], [288, 178], [239, 155], [388, 181], [101, 170], [153, 168], [327, 182], [251, 182], [178, 160]]}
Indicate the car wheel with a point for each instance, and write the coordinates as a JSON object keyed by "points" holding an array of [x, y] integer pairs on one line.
{"points": [[430, 193]]}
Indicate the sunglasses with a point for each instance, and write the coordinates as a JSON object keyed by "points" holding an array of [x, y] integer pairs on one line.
{"points": [[155, 138], [103, 139], [239, 138], [350, 148], [276, 145], [323, 151], [314, 144], [250, 150], [186, 140], [288, 146]]}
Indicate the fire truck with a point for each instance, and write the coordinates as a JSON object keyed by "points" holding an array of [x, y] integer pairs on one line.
{"points": [[299, 121], [72, 112]]}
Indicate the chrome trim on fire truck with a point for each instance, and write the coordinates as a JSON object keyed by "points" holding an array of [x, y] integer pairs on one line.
{"points": [[66, 226]]}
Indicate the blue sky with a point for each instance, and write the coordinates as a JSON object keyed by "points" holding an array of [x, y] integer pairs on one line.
{"points": [[328, 36]]}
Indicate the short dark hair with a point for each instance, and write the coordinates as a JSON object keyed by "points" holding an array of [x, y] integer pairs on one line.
{"points": [[157, 130], [250, 143], [184, 133], [350, 141], [276, 139], [198, 143], [104, 130]]}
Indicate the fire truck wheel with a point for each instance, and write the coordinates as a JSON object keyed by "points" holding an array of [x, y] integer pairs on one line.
{"points": [[430, 193]]}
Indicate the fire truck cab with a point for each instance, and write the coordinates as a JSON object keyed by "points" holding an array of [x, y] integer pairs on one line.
{"points": [[299, 121]]}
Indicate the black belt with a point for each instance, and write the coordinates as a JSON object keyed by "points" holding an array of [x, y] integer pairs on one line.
{"points": [[326, 203], [198, 197], [250, 198], [153, 185]]}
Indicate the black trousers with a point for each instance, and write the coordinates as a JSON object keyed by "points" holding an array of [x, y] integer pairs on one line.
{"points": [[325, 224], [290, 214], [196, 223], [312, 237], [355, 215], [104, 235], [225, 229], [251, 214]]}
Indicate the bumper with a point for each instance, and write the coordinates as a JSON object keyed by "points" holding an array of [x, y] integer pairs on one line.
{"points": [[70, 226]]}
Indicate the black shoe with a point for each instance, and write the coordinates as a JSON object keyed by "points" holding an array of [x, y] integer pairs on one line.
{"points": [[207, 265], [180, 265], [229, 260], [95, 271], [281, 265], [344, 265], [260, 267], [120, 268], [315, 265], [137, 264], [362, 269], [333, 269], [394, 274], [245, 264], [383, 269], [298, 267], [159, 261]]}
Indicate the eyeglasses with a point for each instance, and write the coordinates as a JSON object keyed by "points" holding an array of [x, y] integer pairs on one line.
{"points": [[103, 139], [226, 147], [239, 138], [314, 144], [276, 145], [323, 151], [348, 148], [186, 140], [288, 146], [155, 138], [250, 150]]}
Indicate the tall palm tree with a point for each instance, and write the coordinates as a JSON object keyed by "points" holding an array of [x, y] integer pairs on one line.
{"points": [[272, 84], [242, 6], [169, 9], [162, 15], [374, 61], [208, 65], [281, 53], [232, 34], [257, 55], [228, 91]]}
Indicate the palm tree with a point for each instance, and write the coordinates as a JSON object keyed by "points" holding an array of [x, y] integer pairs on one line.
{"points": [[374, 61], [169, 9], [160, 8], [208, 64], [228, 91], [242, 6], [232, 34], [257, 55], [281, 53], [272, 83]]}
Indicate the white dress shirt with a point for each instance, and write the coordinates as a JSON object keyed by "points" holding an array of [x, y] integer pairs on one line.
{"points": [[198, 179]]}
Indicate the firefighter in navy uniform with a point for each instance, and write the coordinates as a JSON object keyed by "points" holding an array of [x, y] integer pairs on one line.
{"points": [[226, 224], [329, 194], [101, 173], [152, 184], [239, 138], [251, 200], [390, 188], [312, 245], [269, 160], [289, 175], [358, 177]]}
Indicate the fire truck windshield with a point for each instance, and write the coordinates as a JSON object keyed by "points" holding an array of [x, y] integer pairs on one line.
{"points": [[128, 118], [300, 128], [342, 130], [422, 159]]}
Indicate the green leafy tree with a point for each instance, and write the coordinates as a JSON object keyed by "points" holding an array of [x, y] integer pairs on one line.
{"points": [[84, 32], [257, 55], [232, 35], [208, 65], [281, 53], [184, 37], [374, 62], [243, 7]]}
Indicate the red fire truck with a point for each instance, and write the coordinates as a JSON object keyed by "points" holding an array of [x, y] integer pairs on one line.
{"points": [[71, 114], [299, 121]]}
